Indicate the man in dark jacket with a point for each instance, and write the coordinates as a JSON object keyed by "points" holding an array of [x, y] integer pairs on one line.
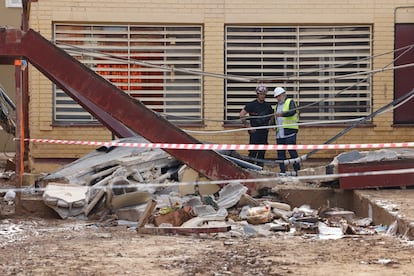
{"points": [[259, 112]]}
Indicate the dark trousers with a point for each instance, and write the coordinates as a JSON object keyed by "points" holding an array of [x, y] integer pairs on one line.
{"points": [[259, 137], [281, 154]]}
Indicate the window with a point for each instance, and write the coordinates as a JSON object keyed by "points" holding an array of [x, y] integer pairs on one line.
{"points": [[324, 68], [14, 3], [145, 61]]}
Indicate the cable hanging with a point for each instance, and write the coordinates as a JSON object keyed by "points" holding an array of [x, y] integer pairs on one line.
{"points": [[298, 77]]}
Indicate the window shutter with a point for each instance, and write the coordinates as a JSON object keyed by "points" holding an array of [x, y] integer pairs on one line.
{"points": [[324, 68], [137, 59]]}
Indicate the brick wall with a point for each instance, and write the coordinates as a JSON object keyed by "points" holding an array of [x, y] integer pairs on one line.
{"points": [[214, 14]]}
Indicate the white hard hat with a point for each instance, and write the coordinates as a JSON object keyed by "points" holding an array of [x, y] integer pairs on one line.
{"points": [[261, 88], [279, 91]]}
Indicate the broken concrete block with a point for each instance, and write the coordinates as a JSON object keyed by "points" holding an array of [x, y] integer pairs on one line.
{"points": [[169, 201], [326, 232], [132, 213], [278, 205], [230, 195], [68, 200], [321, 170], [348, 215], [128, 199], [203, 210], [247, 200], [278, 225], [220, 215], [259, 215], [188, 175], [362, 222], [281, 214]]}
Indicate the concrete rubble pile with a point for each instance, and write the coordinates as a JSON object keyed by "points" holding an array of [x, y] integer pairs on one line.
{"points": [[374, 155], [108, 179], [162, 195]]}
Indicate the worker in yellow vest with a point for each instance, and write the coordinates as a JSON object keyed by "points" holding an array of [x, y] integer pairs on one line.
{"points": [[286, 119]]}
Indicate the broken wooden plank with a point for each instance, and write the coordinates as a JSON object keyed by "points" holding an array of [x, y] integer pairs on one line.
{"points": [[147, 213], [94, 201], [181, 230]]}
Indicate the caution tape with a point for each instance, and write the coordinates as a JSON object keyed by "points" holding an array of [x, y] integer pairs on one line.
{"points": [[224, 146], [276, 179]]}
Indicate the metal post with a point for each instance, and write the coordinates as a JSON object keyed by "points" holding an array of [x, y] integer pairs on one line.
{"points": [[19, 66]]}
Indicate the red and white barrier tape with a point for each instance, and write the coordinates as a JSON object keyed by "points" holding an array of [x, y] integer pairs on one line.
{"points": [[328, 177], [225, 146]]}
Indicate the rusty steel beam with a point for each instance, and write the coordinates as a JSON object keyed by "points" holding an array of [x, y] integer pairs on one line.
{"points": [[111, 106], [182, 230], [376, 181]]}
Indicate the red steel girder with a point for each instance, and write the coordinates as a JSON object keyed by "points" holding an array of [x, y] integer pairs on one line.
{"points": [[373, 180], [119, 112]]}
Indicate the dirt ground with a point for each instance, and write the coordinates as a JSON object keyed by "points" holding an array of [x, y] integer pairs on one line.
{"points": [[43, 246], [34, 246]]}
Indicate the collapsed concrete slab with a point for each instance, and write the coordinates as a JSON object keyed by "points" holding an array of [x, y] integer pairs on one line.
{"points": [[106, 163], [124, 177], [68, 200]]}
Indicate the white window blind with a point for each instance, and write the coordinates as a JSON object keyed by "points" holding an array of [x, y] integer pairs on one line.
{"points": [[324, 68], [137, 59], [14, 4]]}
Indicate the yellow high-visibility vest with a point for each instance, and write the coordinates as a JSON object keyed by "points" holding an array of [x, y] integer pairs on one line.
{"points": [[288, 122]]}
